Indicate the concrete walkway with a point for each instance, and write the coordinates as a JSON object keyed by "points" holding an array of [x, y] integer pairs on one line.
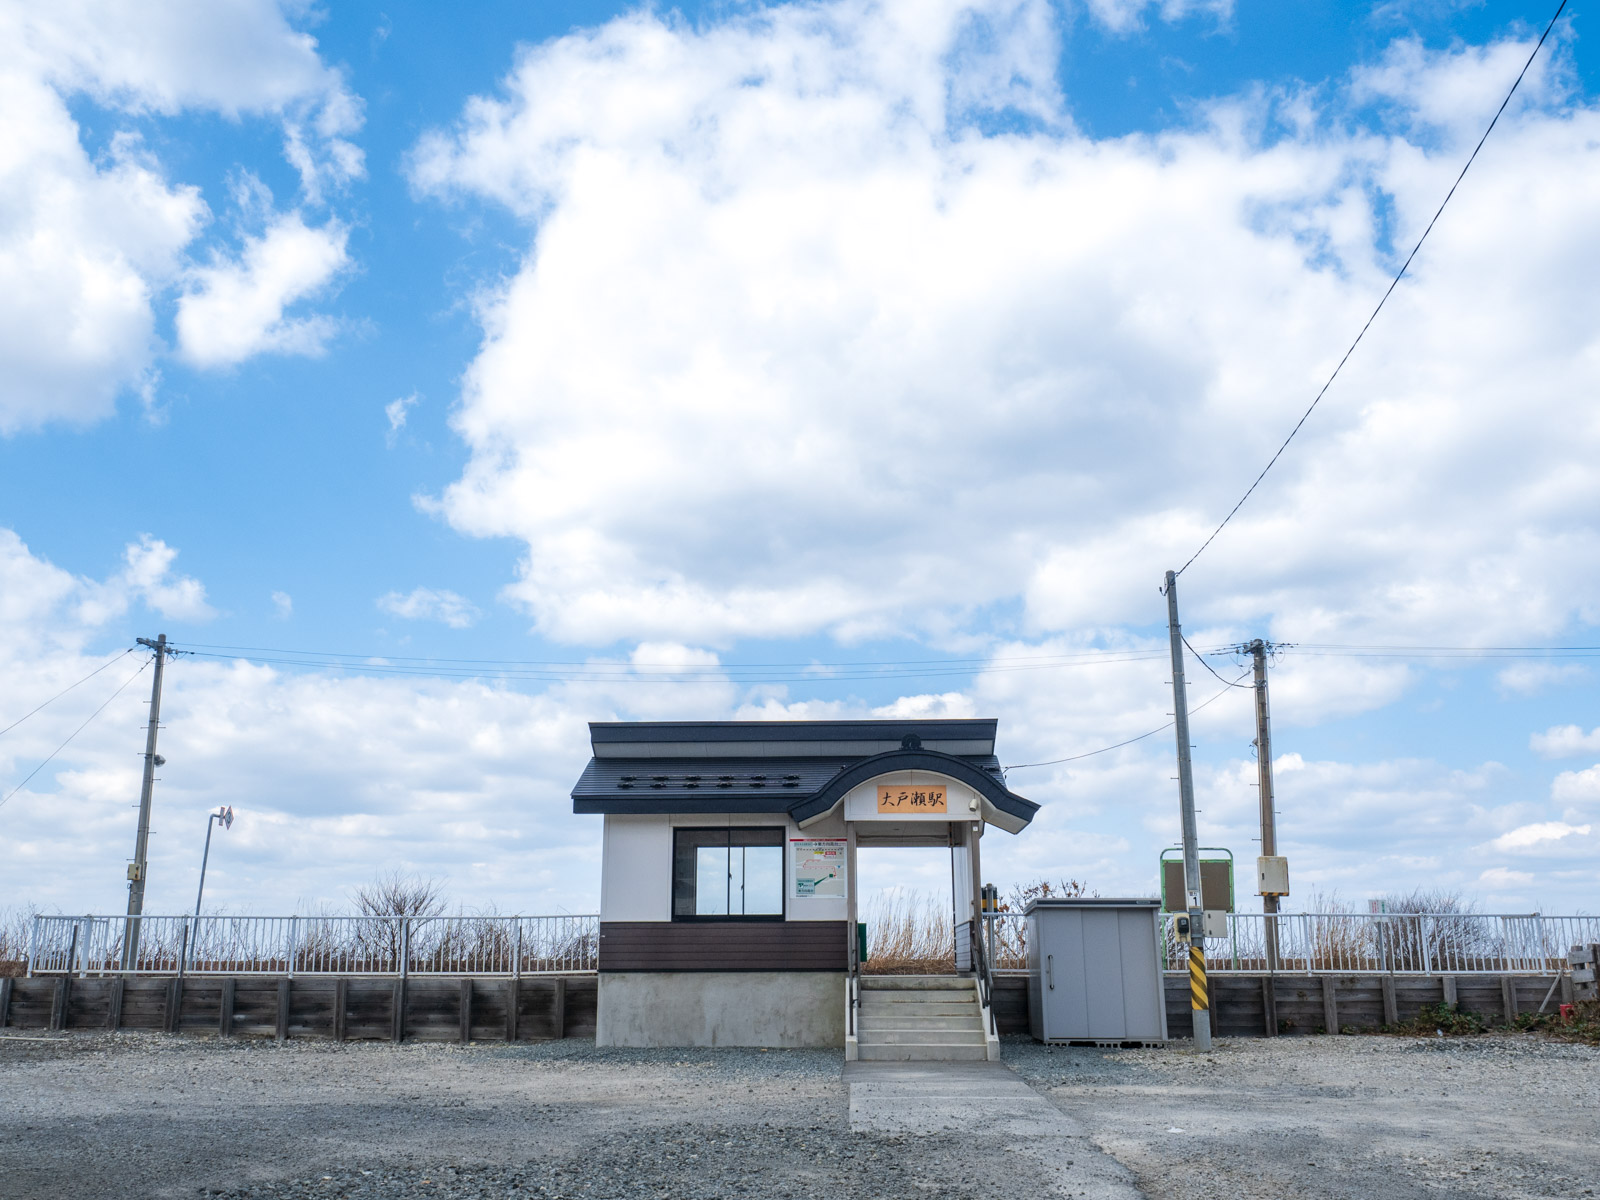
{"points": [[990, 1103]]}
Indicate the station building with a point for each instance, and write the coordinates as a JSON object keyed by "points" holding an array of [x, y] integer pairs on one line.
{"points": [[728, 874]]}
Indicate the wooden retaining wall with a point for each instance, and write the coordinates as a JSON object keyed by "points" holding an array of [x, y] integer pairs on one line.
{"points": [[356, 1008], [1246, 1005], [363, 1008]]}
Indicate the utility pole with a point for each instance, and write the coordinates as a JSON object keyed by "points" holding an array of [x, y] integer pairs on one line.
{"points": [[1199, 997], [137, 869], [1268, 881]]}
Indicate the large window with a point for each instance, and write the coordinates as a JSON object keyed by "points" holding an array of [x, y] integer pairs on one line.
{"points": [[727, 874]]}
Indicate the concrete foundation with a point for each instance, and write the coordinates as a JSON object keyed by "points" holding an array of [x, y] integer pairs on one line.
{"points": [[720, 1008]]}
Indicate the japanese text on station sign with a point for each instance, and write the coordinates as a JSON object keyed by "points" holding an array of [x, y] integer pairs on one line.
{"points": [[912, 798]]}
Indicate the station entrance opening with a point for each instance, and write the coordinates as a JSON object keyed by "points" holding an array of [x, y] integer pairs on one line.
{"points": [[907, 908]]}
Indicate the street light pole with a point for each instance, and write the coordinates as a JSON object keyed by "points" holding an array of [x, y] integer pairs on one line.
{"points": [[223, 817]]}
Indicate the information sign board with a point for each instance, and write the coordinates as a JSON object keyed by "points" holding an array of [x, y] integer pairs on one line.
{"points": [[819, 866]]}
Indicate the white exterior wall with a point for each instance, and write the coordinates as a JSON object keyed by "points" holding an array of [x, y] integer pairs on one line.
{"points": [[636, 864], [636, 869]]}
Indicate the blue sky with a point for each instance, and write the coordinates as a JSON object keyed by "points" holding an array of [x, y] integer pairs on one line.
{"points": [[733, 335]]}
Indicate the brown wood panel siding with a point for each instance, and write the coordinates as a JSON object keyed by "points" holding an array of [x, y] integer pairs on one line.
{"points": [[723, 946]]}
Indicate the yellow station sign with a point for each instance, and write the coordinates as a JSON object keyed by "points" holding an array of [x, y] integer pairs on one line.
{"points": [[912, 798]]}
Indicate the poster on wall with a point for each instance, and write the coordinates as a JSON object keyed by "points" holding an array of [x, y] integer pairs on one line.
{"points": [[819, 867]]}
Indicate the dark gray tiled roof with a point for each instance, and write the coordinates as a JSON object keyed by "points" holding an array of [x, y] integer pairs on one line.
{"points": [[785, 739], [797, 767], [754, 785]]}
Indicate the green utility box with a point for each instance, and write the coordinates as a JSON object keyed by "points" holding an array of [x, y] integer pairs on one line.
{"points": [[861, 941]]}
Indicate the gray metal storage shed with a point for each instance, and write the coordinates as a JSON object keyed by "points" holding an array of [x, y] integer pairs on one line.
{"points": [[1094, 971]]}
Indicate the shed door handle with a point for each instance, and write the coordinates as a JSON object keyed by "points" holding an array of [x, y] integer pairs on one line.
{"points": [[1050, 971]]}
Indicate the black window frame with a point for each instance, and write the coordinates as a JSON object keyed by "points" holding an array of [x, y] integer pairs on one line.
{"points": [[770, 835]]}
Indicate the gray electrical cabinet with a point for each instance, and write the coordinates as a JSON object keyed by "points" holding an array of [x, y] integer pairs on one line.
{"points": [[1095, 971]]}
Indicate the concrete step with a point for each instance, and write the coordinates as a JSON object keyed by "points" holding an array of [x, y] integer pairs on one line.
{"points": [[900, 1021], [898, 983], [920, 1037], [934, 1003], [926, 1052], [944, 996]]}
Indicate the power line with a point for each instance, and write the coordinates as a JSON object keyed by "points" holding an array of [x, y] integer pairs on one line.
{"points": [[632, 673], [1394, 283], [1103, 749], [65, 690], [1207, 665], [583, 663], [74, 733], [1071, 655], [1381, 650]]}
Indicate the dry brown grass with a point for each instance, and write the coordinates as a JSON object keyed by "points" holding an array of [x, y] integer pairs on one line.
{"points": [[909, 933]]}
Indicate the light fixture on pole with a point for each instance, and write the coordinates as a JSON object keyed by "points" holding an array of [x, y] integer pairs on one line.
{"points": [[224, 817]]}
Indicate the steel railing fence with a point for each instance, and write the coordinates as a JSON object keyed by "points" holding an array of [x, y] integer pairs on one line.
{"points": [[1357, 943], [223, 945]]}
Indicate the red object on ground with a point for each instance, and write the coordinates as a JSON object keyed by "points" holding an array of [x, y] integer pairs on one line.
{"points": [[1566, 1013]]}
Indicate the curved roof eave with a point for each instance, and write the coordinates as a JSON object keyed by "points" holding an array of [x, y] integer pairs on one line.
{"points": [[1007, 803]]}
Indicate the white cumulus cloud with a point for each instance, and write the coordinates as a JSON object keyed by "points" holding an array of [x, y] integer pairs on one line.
{"points": [[396, 411], [235, 308], [795, 347], [89, 243], [1565, 741], [1541, 835], [1124, 16], [430, 604], [1577, 789], [1528, 679]]}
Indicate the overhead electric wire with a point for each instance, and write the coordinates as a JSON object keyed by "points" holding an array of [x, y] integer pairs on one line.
{"points": [[1379, 650], [65, 690], [1070, 655], [1394, 283], [625, 672], [1118, 745], [1207, 665], [555, 671], [76, 731]]}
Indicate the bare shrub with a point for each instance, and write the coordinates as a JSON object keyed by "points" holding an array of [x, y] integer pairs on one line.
{"points": [[1008, 948], [1450, 935], [397, 894], [391, 907], [14, 925], [1024, 894]]}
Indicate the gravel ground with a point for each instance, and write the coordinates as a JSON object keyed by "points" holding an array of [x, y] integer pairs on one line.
{"points": [[1495, 1116], [145, 1115]]}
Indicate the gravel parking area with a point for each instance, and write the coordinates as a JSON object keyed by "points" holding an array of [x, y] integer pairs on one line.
{"points": [[136, 1115], [1363, 1116]]}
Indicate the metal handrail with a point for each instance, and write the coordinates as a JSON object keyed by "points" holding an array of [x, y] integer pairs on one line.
{"points": [[1357, 943], [980, 962], [317, 945]]}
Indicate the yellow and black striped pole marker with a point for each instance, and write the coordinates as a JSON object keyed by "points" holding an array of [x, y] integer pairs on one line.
{"points": [[1198, 1000], [1199, 996]]}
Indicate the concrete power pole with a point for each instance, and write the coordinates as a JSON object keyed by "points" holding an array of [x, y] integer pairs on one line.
{"points": [[1199, 996], [137, 870], [1269, 824]]}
